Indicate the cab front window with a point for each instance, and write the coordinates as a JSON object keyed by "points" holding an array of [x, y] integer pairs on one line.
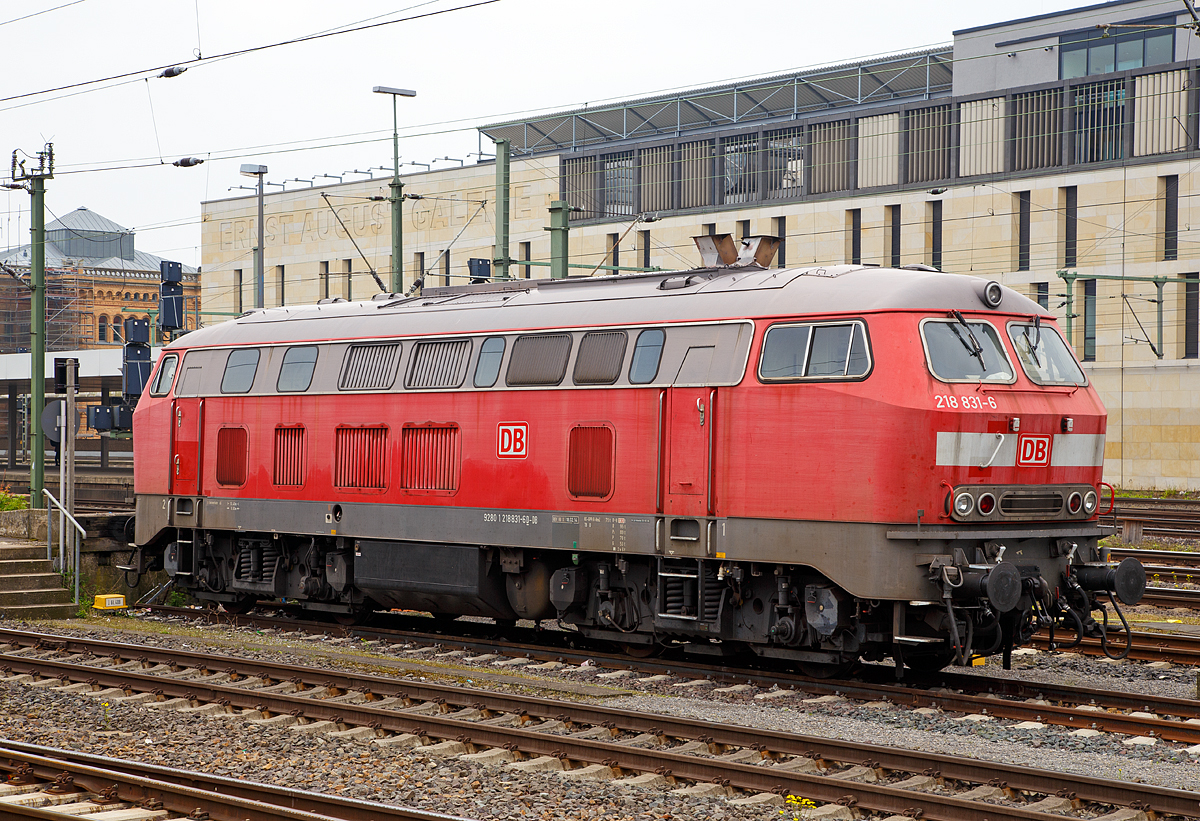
{"points": [[1044, 355], [961, 350]]}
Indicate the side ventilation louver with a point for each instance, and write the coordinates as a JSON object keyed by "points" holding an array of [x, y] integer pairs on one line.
{"points": [[439, 364], [369, 367]]}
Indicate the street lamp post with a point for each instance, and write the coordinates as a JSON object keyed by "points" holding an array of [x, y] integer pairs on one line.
{"points": [[259, 171], [397, 197]]}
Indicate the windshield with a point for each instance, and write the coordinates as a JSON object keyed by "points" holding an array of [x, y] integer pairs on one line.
{"points": [[1044, 355], [965, 351]]}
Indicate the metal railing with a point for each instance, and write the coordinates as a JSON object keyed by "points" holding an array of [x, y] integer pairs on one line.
{"points": [[66, 540]]}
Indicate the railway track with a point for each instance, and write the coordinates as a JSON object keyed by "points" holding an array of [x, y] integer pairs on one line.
{"points": [[1176, 518], [46, 783], [538, 734]]}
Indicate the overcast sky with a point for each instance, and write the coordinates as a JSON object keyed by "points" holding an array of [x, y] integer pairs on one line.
{"points": [[307, 109]]}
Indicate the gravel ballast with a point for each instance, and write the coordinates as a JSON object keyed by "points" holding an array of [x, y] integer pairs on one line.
{"points": [[231, 746]]}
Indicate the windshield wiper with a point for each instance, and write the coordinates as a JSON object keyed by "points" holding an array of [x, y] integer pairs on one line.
{"points": [[975, 348], [1033, 346]]}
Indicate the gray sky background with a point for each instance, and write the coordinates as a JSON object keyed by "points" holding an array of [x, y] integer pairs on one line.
{"points": [[314, 99]]}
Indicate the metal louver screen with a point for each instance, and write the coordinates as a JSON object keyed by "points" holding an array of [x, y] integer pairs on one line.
{"points": [[740, 156], [1160, 111], [429, 457], [539, 360], [360, 458], [600, 357], [590, 461], [929, 144], [289, 457], [579, 186], [695, 174], [1100, 121], [831, 153], [655, 178], [231, 456], [369, 367], [785, 163], [438, 364], [1037, 129]]}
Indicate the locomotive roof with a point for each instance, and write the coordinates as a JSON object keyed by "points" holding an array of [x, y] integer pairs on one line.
{"points": [[705, 294]]}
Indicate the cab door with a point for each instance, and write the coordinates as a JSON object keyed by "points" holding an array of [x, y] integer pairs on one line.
{"points": [[689, 440], [186, 434]]}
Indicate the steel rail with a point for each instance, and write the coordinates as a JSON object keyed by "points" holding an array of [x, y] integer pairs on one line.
{"points": [[991, 703], [876, 797], [1168, 597], [319, 804], [1173, 558], [136, 789], [1180, 648]]}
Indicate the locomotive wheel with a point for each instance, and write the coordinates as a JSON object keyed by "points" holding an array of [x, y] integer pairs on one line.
{"points": [[641, 651], [240, 606], [929, 662], [817, 669]]}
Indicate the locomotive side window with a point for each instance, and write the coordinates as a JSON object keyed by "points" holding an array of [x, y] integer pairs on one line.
{"points": [[441, 364], [240, 368], [369, 367], [1044, 355], [965, 351], [166, 375], [487, 369], [296, 372], [539, 360], [647, 352], [833, 351], [600, 357]]}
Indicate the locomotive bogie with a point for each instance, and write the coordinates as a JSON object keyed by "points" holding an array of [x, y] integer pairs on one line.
{"points": [[818, 464]]}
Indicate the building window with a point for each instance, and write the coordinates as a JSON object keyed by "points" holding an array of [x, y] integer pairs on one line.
{"points": [[741, 169], [1191, 316], [645, 240], [348, 287], [419, 264], [854, 236], [446, 267], [1169, 210], [613, 250], [781, 233], [1022, 230], [102, 329], [1088, 52], [618, 184], [324, 280], [237, 290], [1041, 293], [1100, 121], [709, 229], [1089, 320], [1070, 226], [743, 228], [526, 250], [279, 284], [893, 226], [935, 234]]}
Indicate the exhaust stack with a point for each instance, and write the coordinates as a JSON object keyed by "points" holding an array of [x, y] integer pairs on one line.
{"points": [[722, 251]]}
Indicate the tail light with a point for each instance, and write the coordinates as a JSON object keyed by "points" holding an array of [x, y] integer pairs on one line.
{"points": [[986, 504], [1075, 503]]}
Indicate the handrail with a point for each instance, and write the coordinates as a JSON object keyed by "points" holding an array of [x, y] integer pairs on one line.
{"points": [[61, 541], [57, 504]]}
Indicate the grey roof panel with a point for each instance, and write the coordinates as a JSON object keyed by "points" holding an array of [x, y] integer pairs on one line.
{"points": [[617, 301]]}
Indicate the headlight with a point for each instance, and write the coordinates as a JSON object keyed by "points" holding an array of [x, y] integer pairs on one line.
{"points": [[1074, 503], [987, 504], [964, 503], [1090, 501], [993, 294]]}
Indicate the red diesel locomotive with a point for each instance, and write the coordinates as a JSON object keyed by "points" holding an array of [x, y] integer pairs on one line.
{"points": [[817, 464]]}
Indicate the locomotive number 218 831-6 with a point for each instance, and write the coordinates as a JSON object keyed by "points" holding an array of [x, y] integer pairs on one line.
{"points": [[965, 402]]}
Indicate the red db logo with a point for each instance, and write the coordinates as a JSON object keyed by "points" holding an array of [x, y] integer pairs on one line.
{"points": [[1033, 450], [512, 440]]}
